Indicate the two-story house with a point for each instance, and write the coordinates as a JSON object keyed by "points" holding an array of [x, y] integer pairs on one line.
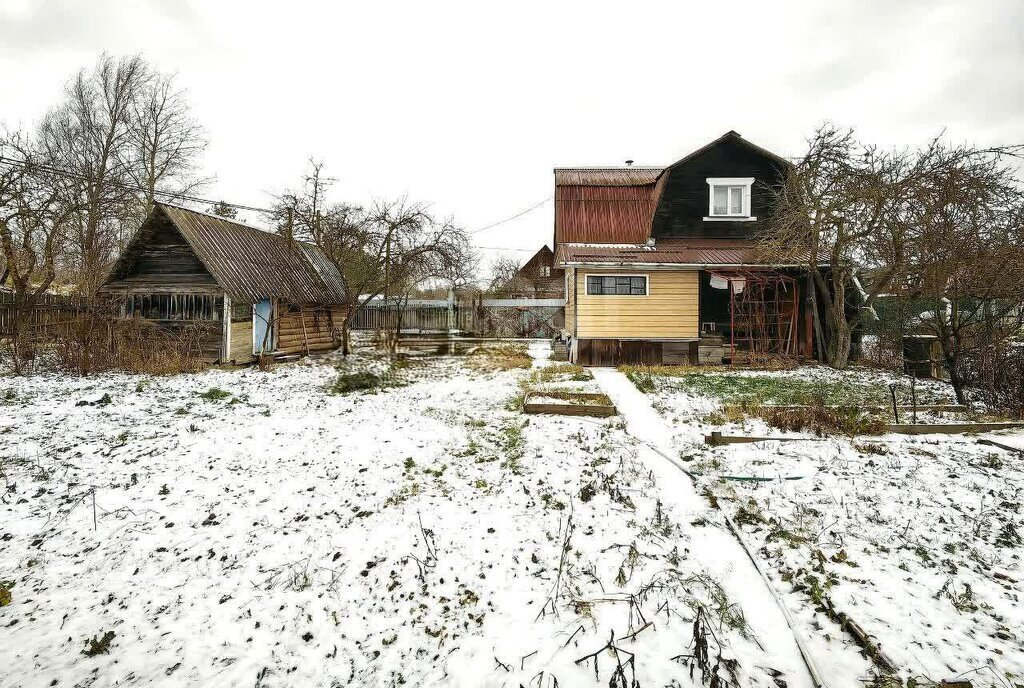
{"points": [[663, 265]]}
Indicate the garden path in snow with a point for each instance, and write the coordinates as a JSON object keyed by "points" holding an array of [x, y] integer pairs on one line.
{"points": [[716, 548]]}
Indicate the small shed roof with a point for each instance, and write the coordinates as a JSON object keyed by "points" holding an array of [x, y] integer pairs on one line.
{"points": [[681, 252], [248, 263]]}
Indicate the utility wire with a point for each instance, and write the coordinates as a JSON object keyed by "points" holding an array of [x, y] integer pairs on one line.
{"points": [[49, 169], [509, 219]]}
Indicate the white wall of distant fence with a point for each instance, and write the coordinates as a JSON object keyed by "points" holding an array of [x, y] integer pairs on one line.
{"points": [[540, 318]]}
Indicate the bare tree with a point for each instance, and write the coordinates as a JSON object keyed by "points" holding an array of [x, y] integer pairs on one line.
{"points": [[967, 258], [412, 246], [305, 214], [504, 275], [167, 141], [843, 208], [385, 250], [89, 136], [123, 133], [34, 214]]}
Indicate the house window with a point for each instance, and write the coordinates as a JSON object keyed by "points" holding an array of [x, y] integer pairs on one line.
{"points": [[617, 285], [545, 271], [729, 198]]}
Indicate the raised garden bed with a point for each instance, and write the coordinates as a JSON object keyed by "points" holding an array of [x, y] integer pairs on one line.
{"points": [[569, 403]]}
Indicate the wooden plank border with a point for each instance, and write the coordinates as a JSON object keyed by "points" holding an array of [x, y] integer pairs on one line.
{"points": [[567, 409]]}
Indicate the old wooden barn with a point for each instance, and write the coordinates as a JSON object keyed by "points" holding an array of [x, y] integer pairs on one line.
{"points": [[249, 291]]}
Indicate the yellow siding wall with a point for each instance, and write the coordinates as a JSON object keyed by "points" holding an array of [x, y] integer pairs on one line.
{"points": [[570, 275], [669, 311]]}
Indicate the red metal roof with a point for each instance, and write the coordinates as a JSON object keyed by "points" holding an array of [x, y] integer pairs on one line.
{"points": [[603, 214], [696, 252]]}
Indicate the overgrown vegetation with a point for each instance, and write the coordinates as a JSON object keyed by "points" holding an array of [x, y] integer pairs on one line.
{"points": [[754, 390], [823, 420]]}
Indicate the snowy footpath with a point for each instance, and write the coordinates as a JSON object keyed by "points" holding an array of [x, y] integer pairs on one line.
{"points": [[720, 550]]}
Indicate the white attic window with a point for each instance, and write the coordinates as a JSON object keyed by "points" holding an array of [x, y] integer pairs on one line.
{"points": [[729, 198]]}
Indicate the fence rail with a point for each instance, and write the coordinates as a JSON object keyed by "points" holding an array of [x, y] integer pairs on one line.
{"points": [[47, 310], [537, 318]]}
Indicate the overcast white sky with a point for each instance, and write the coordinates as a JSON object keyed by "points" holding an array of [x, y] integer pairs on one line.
{"points": [[470, 105]]}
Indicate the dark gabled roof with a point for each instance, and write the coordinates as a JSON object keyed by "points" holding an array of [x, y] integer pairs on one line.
{"points": [[617, 204], [734, 137], [248, 263]]}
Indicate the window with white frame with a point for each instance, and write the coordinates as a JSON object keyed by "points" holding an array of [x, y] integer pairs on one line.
{"points": [[545, 271], [616, 285], [729, 198]]}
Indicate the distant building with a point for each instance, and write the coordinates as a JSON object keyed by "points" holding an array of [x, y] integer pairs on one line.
{"points": [[539, 278], [248, 291]]}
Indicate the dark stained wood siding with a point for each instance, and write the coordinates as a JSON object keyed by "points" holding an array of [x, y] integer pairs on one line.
{"points": [[164, 255], [684, 199], [613, 352], [532, 283]]}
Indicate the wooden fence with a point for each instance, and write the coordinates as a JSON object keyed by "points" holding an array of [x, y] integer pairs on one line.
{"points": [[48, 311]]}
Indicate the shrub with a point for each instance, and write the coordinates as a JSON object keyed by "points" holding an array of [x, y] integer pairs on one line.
{"points": [[98, 645], [215, 394], [1002, 388], [97, 341]]}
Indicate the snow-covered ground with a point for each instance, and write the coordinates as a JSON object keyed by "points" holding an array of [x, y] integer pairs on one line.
{"points": [[916, 538], [254, 529]]}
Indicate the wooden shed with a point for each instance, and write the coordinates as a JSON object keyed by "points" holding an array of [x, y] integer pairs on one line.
{"points": [[249, 291]]}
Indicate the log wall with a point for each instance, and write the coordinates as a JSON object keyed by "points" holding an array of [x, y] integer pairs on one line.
{"points": [[306, 329]]}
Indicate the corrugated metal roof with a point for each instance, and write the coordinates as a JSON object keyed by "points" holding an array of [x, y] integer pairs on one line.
{"points": [[248, 263], [606, 176], [603, 214], [697, 252]]}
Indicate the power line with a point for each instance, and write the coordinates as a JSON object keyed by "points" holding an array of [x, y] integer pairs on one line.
{"points": [[509, 219], [49, 169]]}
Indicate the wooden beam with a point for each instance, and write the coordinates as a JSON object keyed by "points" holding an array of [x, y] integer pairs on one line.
{"points": [[950, 428]]}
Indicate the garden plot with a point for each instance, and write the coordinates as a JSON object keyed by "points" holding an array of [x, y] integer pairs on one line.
{"points": [[916, 538], [361, 523], [567, 390]]}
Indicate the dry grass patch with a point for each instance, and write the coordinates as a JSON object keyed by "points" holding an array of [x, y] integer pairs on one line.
{"points": [[570, 397], [500, 357], [823, 420], [561, 372]]}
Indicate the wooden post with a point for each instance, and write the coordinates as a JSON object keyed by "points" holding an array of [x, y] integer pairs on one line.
{"points": [[226, 331], [305, 337]]}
